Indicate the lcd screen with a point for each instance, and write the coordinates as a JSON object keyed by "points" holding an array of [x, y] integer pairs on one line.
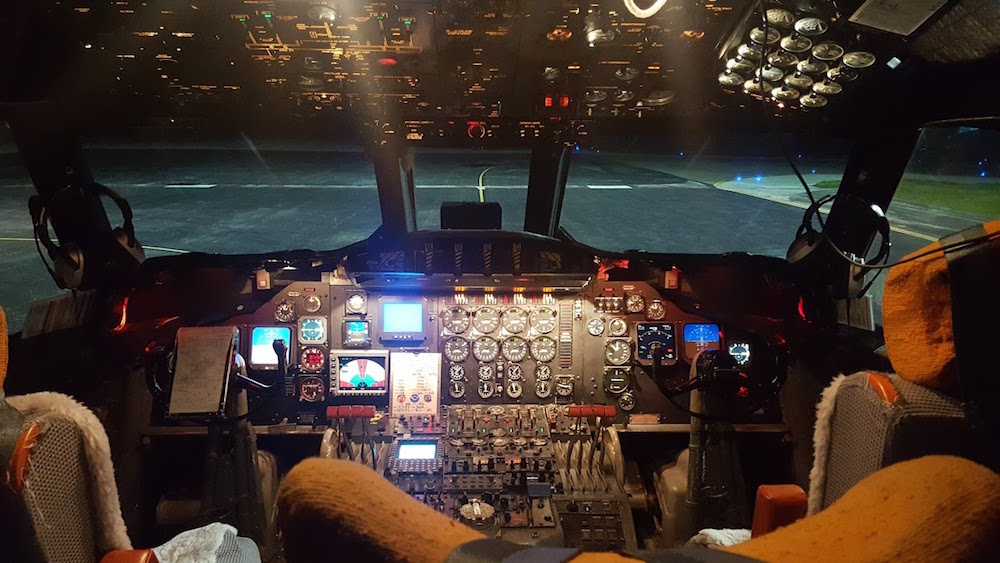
{"points": [[699, 337], [402, 318], [416, 450], [262, 345], [361, 373], [648, 335]]}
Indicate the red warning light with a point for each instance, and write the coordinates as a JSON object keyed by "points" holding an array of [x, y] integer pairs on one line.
{"points": [[388, 61], [564, 101], [548, 101]]}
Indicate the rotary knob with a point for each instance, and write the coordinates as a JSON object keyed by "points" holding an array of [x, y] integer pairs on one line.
{"points": [[476, 131]]}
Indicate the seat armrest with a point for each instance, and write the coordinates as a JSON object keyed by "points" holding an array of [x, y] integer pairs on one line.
{"points": [[129, 556], [777, 506]]}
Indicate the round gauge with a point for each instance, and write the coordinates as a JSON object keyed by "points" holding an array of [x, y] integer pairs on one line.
{"points": [[312, 330], [740, 351], [812, 67], [322, 13], [455, 320], [486, 372], [757, 35], [312, 303], [456, 349], [658, 98], [799, 80], [514, 372], [827, 88], [618, 327], [543, 372], [515, 349], [514, 389], [779, 17], [312, 359], [311, 389], [486, 389], [514, 320], [842, 74], [740, 65], [356, 303], [595, 96], [770, 73], [828, 51], [812, 101], [626, 73], [811, 26], [564, 386], [550, 73], [543, 320], [456, 372], [656, 311], [485, 349], [796, 44], [543, 389], [284, 312], [635, 303], [859, 59], [782, 59], [499, 443], [486, 319], [624, 96], [456, 389], [785, 93], [627, 401], [756, 86], [617, 352], [543, 349], [595, 326]]}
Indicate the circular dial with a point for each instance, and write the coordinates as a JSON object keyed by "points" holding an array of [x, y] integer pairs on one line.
{"points": [[486, 372], [543, 320], [515, 320], [564, 386], [486, 319], [543, 389], [543, 349], [514, 372], [543, 372], [486, 389], [312, 303], [618, 327], [284, 312], [595, 326], [311, 389], [356, 303], [515, 348], [455, 320], [514, 389], [456, 349], [635, 303], [617, 352], [485, 349], [740, 351], [656, 311], [626, 401], [456, 389], [456, 372], [312, 330], [312, 359]]}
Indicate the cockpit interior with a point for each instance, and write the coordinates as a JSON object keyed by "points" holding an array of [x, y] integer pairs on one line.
{"points": [[333, 280]]}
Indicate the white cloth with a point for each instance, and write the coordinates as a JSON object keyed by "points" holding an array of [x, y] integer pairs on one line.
{"points": [[724, 537], [199, 545]]}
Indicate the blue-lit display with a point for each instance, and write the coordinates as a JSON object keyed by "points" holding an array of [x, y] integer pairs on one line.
{"points": [[402, 318], [699, 337], [262, 345]]}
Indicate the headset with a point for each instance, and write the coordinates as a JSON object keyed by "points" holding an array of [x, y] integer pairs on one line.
{"points": [[67, 267], [807, 238]]}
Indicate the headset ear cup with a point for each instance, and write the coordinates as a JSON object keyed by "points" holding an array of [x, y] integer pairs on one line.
{"points": [[130, 244], [802, 246], [68, 266]]}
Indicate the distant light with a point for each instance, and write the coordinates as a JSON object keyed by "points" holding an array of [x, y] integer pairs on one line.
{"points": [[578, 148], [893, 63], [758, 178], [87, 46], [598, 151], [982, 174], [980, 163], [682, 153], [813, 170], [800, 155], [739, 178]]}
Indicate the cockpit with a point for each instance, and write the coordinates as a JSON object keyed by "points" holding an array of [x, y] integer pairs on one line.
{"points": [[454, 280]]}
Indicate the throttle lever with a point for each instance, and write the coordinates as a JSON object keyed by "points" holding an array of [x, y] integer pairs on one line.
{"points": [[281, 349]]}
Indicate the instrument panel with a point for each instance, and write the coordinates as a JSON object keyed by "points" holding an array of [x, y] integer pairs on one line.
{"points": [[592, 343]]}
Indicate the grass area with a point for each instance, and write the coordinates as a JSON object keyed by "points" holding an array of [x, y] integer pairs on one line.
{"points": [[980, 199]]}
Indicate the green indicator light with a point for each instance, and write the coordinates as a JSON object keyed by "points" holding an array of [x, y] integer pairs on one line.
{"points": [[407, 22], [268, 16], [243, 19]]}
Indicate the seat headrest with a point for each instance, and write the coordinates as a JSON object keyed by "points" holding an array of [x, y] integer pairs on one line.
{"points": [[3, 348], [917, 318]]}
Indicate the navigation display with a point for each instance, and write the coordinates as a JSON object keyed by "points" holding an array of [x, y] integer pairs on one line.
{"points": [[416, 450], [262, 339], [649, 334], [359, 373], [402, 321]]}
